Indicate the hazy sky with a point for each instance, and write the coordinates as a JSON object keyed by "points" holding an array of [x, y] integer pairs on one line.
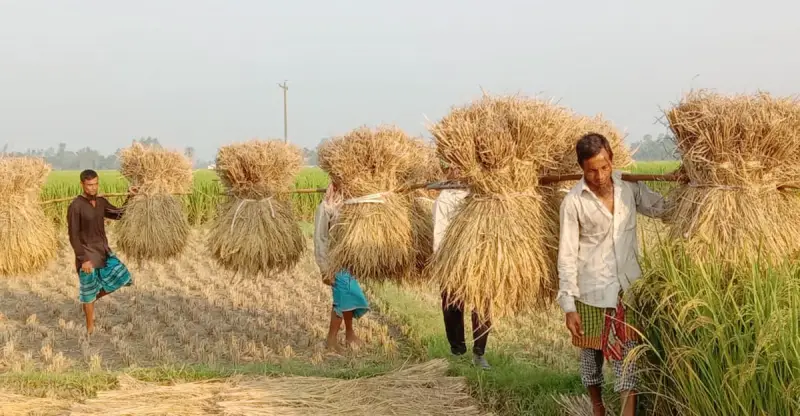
{"points": [[204, 73]]}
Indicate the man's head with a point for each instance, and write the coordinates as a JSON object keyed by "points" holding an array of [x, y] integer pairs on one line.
{"points": [[89, 182], [595, 158], [450, 171]]}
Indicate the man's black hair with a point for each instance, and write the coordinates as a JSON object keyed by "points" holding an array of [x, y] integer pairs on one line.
{"points": [[88, 175], [590, 145]]}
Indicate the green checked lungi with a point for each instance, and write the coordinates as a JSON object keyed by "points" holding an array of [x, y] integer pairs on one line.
{"points": [[108, 279]]}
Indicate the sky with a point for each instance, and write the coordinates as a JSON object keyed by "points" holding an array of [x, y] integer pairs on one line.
{"points": [[205, 73]]}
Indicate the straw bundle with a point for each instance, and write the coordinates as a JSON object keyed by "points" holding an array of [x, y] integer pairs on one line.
{"points": [[427, 170], [257, 231], [372, 233], [493, 255], [154, 225], [27, 238], [737, 152]]}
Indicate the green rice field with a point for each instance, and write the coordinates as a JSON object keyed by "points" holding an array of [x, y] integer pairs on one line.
{"points": [[207, 192]]}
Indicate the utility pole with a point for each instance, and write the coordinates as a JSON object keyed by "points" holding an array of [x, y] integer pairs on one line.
{"points": [[285, 88]]}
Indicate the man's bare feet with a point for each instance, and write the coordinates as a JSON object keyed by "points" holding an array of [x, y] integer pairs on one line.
{"points": [[332, 344], [353, 341]]}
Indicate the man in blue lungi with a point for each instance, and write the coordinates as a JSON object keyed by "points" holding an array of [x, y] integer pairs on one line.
{"points": [[99, 270]]}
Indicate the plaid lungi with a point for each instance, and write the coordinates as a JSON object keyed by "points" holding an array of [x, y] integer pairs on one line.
{"points": [[109, 278], [600, 323]]}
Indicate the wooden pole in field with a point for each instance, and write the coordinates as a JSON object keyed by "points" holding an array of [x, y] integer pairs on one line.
{"points": [[285, 88]]}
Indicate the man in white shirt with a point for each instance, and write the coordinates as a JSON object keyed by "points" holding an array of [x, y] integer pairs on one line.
{"points": [[444, 208], [598, 262]]}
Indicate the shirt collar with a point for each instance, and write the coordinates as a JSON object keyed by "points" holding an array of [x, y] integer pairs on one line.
{"points": [[616, 177]]}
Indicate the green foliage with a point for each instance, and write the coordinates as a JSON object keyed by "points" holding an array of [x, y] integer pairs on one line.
{"points": [[720, 342]]}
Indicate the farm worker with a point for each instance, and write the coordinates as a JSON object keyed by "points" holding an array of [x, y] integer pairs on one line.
{"points": [[348, 299], [100, 272], [444, 207], [597, 263]]}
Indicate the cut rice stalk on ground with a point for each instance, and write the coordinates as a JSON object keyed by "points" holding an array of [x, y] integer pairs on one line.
{"points": [[154, 226], [372, 234], [28, 238], [737, 151], [256, 231], [422, 389]]}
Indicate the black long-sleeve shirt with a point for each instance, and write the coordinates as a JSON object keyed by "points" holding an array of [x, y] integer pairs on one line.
{"points": [[87, 231]]}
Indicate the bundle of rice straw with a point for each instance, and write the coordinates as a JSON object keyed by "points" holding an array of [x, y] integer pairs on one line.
{"points": [[565, 162], [737, 151], [256, 231], [27, 238], [372, 234], [427, 170], [494, 255], [154, 226]]}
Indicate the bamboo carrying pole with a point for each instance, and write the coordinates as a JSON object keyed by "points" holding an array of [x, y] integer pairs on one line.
{"points": [[544, 180]]}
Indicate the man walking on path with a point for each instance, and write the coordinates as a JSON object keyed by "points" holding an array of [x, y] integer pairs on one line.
{"points": [[444, 207], [99, 270], [597, 263]]}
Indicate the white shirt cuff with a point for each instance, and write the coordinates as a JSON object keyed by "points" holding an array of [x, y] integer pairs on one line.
{"points": [[567, 304]]}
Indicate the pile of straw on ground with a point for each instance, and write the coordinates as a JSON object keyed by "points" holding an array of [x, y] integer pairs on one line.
{"points": [[494, 255], [423, 389], [17, 404], [256, 231], [737, 151], [154, 226], [27, 238], [372, 235]]}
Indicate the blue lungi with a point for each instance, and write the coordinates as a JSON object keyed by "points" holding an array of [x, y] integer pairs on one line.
{"points": [[109, 278], [348, 296]]}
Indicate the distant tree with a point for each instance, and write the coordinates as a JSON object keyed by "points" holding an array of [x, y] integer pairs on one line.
{"points": [[649, 149], [148, 141]]}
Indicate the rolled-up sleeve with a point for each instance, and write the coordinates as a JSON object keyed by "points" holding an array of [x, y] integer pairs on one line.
{"points": [[321, 237], [568, 246], [648, 202]]}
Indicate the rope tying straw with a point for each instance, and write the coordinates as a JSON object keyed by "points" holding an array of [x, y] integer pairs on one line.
{"points": [[241, 204], [379, 198]]}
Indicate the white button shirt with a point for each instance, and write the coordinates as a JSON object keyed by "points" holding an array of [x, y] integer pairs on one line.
{"points": [[598, 252], [444, 208]]}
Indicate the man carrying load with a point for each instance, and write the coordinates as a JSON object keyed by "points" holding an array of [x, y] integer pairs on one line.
{"points": [[444, 207], [597, 263], [99, 270]]}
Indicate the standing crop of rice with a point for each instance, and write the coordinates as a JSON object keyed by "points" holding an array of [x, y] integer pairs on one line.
{"points": [[27, 238], [256, 231], [494, 255], [154, 226], [738, 152], [372, 233]]}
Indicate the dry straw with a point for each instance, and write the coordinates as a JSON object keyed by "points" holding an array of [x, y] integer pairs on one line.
{"points": [[428, 169], [154, 225], [27, 238], [737, 152], [372, 234], [422, 389], [256, 231], [494, 254], [17, 404]]}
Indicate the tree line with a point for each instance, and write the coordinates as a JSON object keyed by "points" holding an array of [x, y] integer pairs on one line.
{"points": [[61, 158]]}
